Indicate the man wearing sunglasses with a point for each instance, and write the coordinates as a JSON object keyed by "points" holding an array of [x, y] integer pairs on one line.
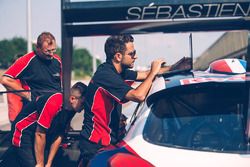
{"points": [[39, 71], [108, 89], [43, 122]]}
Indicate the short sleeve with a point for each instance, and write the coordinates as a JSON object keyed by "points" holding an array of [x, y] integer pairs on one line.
{"points": [[17, 69], [129, 76], [114, 84], [48, 109]]}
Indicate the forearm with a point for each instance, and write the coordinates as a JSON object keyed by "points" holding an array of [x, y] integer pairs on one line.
{"points": [[139, 94], [53, 150], [40, 141], [12, 84], [142, 75]]}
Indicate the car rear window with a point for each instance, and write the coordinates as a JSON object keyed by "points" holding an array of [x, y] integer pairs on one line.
{"points": [[209, 118]]}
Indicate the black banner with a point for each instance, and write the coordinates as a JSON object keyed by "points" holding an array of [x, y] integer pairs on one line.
{"points": [[113, 11]]}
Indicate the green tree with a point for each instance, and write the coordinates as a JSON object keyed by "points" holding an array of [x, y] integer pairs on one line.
{"points": [[10, 48], [82, 62], [82, 59]]}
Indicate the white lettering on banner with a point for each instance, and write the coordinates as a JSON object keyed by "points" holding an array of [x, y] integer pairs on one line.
{"points": [[148, 11], [201, 80], [163, 10], [189, 11], [193, 9]]}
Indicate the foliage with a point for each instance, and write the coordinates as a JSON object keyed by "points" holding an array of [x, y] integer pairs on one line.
{"points": [[82, 62], [9, 49], [82, 59]]}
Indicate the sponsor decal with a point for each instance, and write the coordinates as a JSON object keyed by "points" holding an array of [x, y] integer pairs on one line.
{"points": [[212, 79], [56, 75]]}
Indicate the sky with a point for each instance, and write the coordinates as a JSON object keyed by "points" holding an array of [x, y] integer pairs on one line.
{"points": [[46, 16]]}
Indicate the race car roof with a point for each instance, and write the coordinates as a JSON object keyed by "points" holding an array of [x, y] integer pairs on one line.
{"points": [[192, 82]]}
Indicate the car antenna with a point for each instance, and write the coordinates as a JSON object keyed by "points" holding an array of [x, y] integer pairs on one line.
{"points": [[191, 50]]}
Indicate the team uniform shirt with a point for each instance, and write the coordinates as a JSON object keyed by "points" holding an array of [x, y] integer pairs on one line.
{"points": [[106, 92], [59, 125], [41, 112], [37, 74]]}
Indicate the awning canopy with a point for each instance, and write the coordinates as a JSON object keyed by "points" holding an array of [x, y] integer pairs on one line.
{"points": [[88, 18], [92, 18]]}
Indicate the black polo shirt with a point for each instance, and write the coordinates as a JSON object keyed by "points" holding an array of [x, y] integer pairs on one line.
{"points": [[37, 74], [42, 112], [105, 94]]}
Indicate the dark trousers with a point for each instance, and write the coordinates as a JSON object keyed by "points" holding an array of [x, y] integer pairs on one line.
{"points": [[9, 158], [88, 150], [25, 156], [18, 157]]}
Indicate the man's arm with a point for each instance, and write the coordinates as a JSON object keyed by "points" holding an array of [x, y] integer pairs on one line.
{"points": [[139, 94], [183, 63], [56, 132], [40, 142], [12, 84], [142, 75], [53, 150]]}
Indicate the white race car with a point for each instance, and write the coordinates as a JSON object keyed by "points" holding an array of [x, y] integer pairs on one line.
{"points": [[190, 118]]}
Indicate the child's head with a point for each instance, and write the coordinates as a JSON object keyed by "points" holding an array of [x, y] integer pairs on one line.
{"points": [[76, 99]]}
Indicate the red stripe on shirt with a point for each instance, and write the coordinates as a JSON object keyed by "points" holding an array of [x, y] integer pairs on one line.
{"points": [[52, 106], [20, 64], [102, 113], [22, 125]]}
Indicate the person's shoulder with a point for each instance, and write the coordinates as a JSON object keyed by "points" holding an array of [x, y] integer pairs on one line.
{"points": [[27, 57], [103, 72], [56, 99], [20, 64], [49, 101], [58, 58], [106, 68]]}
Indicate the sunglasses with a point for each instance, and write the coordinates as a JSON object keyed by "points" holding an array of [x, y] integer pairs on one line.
{"points": [[132, 54], [47, 51]]}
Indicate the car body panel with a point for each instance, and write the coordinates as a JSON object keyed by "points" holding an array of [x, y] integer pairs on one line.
{"points": [[161, 155]]}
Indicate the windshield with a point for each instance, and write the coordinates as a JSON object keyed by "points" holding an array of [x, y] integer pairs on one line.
{"points": [[208, 119]]}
